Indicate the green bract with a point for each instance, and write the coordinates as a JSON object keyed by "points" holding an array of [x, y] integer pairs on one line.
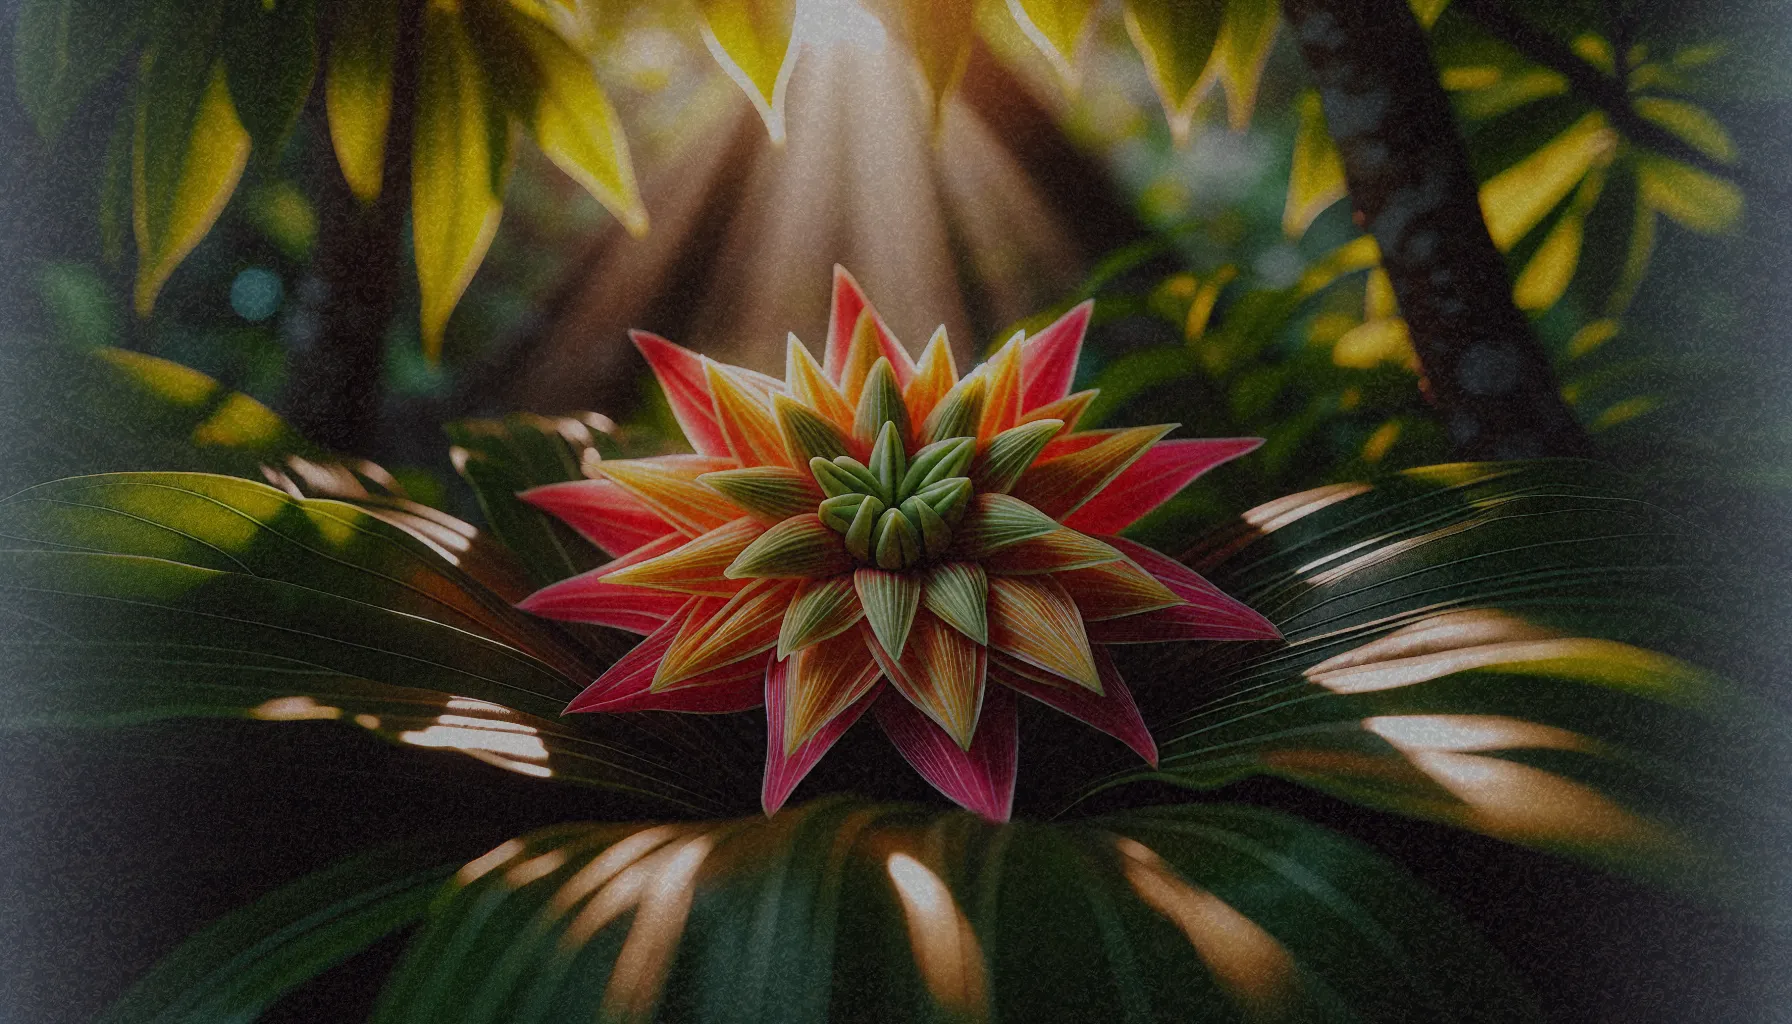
{"points": [[898, 512]]}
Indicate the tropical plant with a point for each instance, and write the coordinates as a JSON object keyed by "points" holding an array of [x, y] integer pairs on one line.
{"points": [[1464, 645]]}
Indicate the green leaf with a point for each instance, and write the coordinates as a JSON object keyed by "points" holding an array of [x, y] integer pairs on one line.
{"points": [[845, 911], [190, 148], [270, 59], [238, 966], [1176, 39], [63, 48], [1463, 647], [939, 33], [1316, 180], [1011, 452], [1057, 27], [1242, 50], [460, 159], [550, 89], [499, 458], [1688, 196], [358, 90], [136, 596], [958, 592], [750, 39], [1518, 198], [771, 492], [890, 600]]}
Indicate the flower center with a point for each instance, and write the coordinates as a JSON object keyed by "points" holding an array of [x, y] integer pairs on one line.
{"points": [[898, 512]]}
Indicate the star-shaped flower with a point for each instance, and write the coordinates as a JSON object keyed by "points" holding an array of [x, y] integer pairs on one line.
{"points": [[878, 534]]}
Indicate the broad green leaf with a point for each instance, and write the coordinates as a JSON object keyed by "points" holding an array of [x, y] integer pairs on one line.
{"points": [[1688, 196], [1465, 645], [1239, 55], [1057, 27], [751, 40], [1176, 40], [1693, 125], [110, 409], [63, 48], [846, 911], [1518, 198], [189, 149], [358, 90], [550, 89], [270, 59], [1316, 179], [137, 596], [940, 34], [460, 158], [238, 966], [500, 458]]}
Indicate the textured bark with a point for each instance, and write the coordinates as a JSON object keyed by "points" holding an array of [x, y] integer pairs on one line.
{"points": [[336, 378], [1410, 180]]}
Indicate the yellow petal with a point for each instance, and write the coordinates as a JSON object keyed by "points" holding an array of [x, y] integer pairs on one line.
{"points": [[750, 39], [745, 626], [1060, 550], [1001, 405], [697, 567], [1060, 486], [826, 679], [669, 486], [746, 422], [935, 376], [810, 385], [1115, 589], [1034, 619], [862, 354], [1069, 409], [942, 672]]}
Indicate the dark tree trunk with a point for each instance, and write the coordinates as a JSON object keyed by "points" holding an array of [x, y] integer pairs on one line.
{"points": [[336, 378], [1410, 180]]}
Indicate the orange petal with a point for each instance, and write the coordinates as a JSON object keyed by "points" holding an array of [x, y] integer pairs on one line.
{"points": [[935, 375], [1034, 619], [811, 387], [861, 355], [745, 420], [1116, 589], [1069, 409], [1060, 486], [941, 672], [668, 485], [696, 567], [826, 679], [1057, 551], [745, 626], [1001, 405]]}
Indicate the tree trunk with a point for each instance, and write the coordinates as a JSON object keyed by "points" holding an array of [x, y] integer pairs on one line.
{"points": [[1410, 180], [336, 378]]}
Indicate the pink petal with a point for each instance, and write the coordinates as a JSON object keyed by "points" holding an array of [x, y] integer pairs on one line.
{"points": [[843, 315], [1048, 359], [625, 687], [584, 598], [1167, 468], [602, 512], [783, 771], [1112, 711], [1208, 615], [980, 779], [682, 376]]}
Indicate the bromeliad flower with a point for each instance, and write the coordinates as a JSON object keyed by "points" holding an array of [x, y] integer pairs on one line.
{"points": [[877, 534]]}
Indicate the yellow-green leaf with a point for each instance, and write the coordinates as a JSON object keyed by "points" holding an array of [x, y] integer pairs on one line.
{"points": [[188, 154], [1427, 11], [459, 160], [1545, 277], [939, 34], [1518, 198], [1239, 55], [1316, 180], [358, 90], [1374, 342], [751, 40], [270, 59], [1694, 126], [1693, 199], [1176, 39], [550, 89], [1057, 27]]}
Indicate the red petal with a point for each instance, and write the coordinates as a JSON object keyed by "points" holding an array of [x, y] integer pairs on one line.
{"points": [[681, 375], [783, 771], [602, 511], [583, 598], [843, 315], [1112, 711], [1048, 359], [1209, 614], [624, 687], [1167, 468], [980, 779]]}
